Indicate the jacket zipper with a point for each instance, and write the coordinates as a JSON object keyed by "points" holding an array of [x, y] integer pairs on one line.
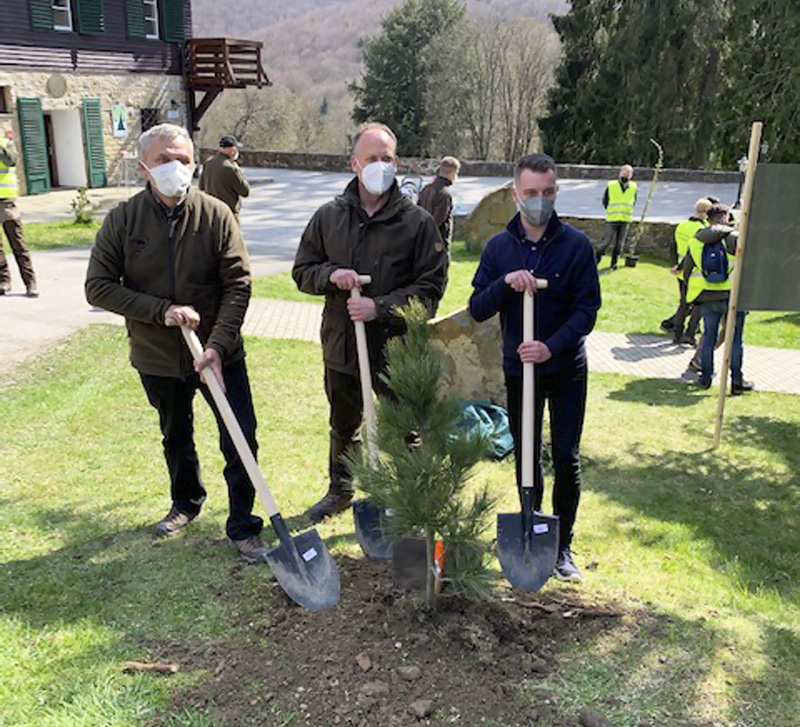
{"points": [[172, 223]]}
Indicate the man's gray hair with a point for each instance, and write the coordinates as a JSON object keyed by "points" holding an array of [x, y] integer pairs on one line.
{"points": [[166, 132], [369, 126]]}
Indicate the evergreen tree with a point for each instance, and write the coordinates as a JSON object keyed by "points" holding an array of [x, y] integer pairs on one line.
{"points": [[425, 462], [397, 64]]}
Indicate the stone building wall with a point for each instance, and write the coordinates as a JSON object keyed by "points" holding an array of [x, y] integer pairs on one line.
{"points": [[134, 90]]}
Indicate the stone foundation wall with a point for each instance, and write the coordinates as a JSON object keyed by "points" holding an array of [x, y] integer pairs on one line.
{"points": [[493, 212], [415, 165], [134, 90]]}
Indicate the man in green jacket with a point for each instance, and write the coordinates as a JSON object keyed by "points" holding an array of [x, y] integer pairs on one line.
{"points": [[223, 178], [437, 200], [173, 256], [371, 229]]}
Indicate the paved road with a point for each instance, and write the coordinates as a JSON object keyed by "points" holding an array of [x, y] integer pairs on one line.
{"points": [[273, 218]]}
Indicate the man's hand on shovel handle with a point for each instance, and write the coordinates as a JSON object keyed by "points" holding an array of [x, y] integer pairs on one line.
{"points": [[361, 309], [211, 360], [182, 315], [345, 279], [521, 280], [533, 352]]}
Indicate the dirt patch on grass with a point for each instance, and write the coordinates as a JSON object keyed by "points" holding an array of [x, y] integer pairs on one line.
{"points": [[379, 659]]}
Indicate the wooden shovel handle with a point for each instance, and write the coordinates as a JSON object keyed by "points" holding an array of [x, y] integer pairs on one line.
{"points": [[365, 375], [232, 425], [528, 392]]}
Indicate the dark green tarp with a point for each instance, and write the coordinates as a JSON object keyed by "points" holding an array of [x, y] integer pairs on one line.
{"points": [[771, 266]]}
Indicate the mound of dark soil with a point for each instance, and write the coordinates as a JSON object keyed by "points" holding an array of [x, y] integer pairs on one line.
{"points": [[380, 659]]}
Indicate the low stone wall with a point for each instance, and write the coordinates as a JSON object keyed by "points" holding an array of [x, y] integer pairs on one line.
{"points": [[415, 165], [493, 212], [472, 356]]}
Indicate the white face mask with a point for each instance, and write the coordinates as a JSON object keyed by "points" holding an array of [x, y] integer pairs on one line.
{"points": [[172, 179], [378, 176]]}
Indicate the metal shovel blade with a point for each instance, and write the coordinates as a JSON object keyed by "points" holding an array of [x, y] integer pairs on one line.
{"points": [[371, 531], [527, 563], [305, 570]]}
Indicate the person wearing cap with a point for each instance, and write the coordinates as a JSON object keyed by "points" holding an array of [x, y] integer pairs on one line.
{"points": [[618, 199], [684, 234], [223, 178], [436, 199]]}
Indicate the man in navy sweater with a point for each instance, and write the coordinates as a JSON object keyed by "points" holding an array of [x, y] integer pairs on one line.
{"points": [[536, 244]]}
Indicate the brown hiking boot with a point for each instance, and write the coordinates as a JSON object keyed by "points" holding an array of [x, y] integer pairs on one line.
{"points": [[331, 504], [173, 521], [251, 550], [31, 291]]}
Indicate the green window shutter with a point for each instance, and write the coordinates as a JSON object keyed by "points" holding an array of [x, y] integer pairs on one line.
{"points": [[95, 150], [41, 14], [34, 145], [134, 19], [173, 27], [91, 18]]}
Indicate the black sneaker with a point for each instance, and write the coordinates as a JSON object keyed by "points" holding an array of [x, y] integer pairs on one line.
{"points": [[566, 570], [331, 504], [667, 325], [173, 521], [251, 550], [704, 383], [741, 387]]}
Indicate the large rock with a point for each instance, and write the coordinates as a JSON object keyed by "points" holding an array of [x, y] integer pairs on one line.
{"points": [[472, 354]]}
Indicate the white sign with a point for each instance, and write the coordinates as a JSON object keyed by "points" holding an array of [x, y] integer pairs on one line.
{"points": [[119, 120]]}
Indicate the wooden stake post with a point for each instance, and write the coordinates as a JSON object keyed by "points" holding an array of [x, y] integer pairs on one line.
{"points": [[752, 160]]}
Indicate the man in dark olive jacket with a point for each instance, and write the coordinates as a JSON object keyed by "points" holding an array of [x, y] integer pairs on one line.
{"points": [[223, 178], [173, 256], [371, 229], [536, 244], [437, 200]]}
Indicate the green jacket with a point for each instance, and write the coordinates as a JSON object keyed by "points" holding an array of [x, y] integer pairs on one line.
{"points": [[223, 179], [399, 247], [437, 200], [145, 259]]}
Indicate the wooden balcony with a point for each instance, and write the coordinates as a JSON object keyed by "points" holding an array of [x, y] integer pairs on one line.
{"points": [[214, 64]]}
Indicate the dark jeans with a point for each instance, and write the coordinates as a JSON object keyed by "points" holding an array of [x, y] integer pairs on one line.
{"points": [[713, 313], [685, 308], [616, 232], [565, 392], [172, 398], [16, 238], [346, 414]]}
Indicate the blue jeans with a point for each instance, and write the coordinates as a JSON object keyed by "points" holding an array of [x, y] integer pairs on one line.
{"points": [[713, 312]]}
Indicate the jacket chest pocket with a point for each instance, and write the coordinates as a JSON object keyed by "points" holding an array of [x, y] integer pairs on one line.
{"points": [[197, 258]]}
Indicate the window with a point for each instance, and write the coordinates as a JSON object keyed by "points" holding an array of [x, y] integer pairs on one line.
{"points": [[4, 100], [62, 15], [149, 118], [151, 19]]}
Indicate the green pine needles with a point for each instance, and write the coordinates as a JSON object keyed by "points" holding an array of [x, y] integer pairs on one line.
{"points": [[425, 464]]}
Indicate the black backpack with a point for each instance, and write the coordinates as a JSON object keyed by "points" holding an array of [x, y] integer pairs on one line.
{"points": [[715, 262]]}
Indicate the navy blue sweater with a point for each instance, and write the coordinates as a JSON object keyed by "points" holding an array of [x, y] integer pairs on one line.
{"points": [[565, 312]]}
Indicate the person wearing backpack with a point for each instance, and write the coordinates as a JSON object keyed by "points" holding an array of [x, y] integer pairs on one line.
{"points": [[708, 270]]}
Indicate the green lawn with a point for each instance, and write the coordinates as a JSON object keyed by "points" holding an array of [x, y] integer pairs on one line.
{"points": [[703, 545], [635, 300], [52, 235]]}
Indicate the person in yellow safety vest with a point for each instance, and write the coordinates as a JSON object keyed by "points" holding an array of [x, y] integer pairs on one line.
{"points": [[619, 199], [684, 233], [713, 295], [11, 220]]}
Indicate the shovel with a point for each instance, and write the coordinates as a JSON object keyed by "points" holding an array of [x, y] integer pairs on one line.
{"points": [[527, 544], [370, 530], [301, 564]]}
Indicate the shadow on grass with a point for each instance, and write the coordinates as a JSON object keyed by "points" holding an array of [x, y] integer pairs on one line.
{"points": [[667, 392], [790, 318], [746, 511]]}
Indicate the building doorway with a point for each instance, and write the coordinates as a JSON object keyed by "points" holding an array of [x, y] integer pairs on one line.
{"points": [[65, 146]]}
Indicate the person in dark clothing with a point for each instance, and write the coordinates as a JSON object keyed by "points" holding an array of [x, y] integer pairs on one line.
{"points": [[173, 256], [223, 178], [371, 229], [436, 199], [536, 244]]}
